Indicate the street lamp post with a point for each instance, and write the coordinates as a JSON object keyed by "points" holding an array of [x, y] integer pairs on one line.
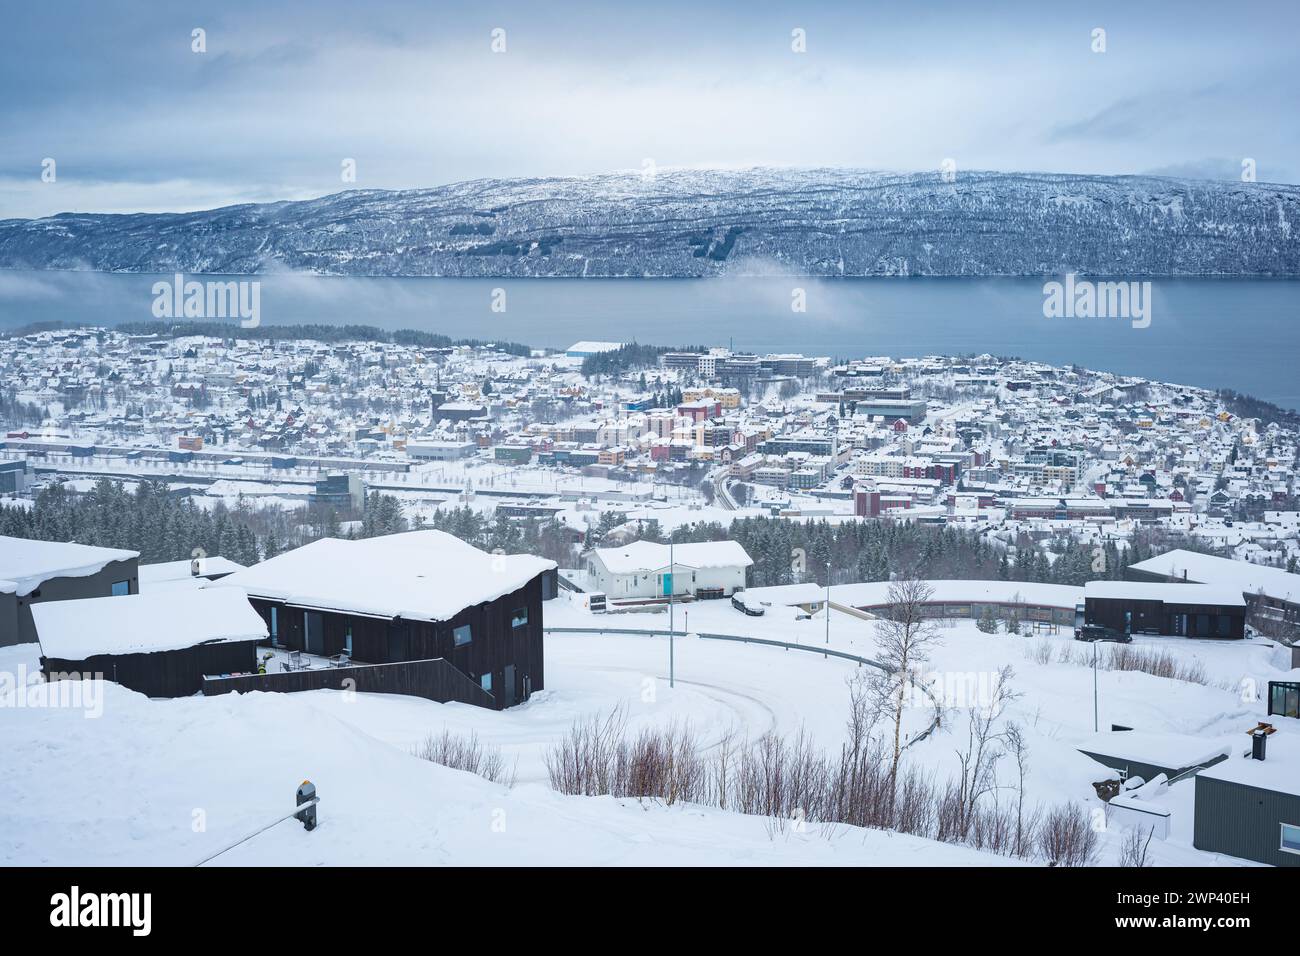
{"points": [[672, 587], [1094, 687], [828, 604]]}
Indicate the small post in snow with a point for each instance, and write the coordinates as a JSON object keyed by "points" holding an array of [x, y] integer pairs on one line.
{"points": [[307, 800]]}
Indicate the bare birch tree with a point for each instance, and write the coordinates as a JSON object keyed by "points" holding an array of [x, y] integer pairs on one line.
{"points": [[903, 637], [1018, 747], [983, 744]]}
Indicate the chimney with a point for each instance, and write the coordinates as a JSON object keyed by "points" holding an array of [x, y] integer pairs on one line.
{"points": [[1259, 735]]}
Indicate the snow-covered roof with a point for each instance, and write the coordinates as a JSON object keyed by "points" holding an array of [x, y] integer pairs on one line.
{"points": [[1170, 593], [26, 564], [645, 556], [1240, 575], [785, 595], [1279, 771], [180, 570], [589, 347], [144, 623], [1163, 750], [419, 575], [876, 593]]}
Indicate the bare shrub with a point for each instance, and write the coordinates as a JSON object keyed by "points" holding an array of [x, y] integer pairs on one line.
{"points": [[1134, 849], [789, 781], [597, 759], [585, 762], [1066, 836], [664, 764], [1158, 663], [1040, 651], [466, 753]]}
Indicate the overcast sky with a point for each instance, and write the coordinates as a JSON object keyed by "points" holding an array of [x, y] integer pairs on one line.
{"points": [[135, 120]]}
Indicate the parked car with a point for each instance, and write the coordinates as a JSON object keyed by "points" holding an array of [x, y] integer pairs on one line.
{"points": [[1098, 632], [745, 606]]}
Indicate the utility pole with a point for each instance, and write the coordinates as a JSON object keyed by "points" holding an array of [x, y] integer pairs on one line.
{"points": [[1094, 687]]}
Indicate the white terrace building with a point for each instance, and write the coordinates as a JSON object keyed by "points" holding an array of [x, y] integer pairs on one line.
{"points": [[641, 570]]}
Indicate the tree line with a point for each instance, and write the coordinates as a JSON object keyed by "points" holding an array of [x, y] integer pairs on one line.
{"points": [[166, 527]]}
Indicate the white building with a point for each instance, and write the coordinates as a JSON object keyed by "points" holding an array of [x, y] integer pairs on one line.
{"points": [[641, 570]]}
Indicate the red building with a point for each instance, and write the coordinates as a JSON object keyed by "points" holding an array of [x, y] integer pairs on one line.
{"points": [[700, 411]]}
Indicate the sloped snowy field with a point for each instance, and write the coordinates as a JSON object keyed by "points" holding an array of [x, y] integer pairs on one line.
{"points": [[127, 787]]}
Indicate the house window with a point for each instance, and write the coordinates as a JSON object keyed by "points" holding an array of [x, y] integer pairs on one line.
{"points": [[1290, 838], [347, 641], [275, 625], [486, 682], [121, 587], [519, 618], [462, 635]]}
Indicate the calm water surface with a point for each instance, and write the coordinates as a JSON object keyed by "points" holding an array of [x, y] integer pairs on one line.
{"points": [[1235, 333]]}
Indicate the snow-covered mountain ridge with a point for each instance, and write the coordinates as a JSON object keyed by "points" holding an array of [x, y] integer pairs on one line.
{"points": [[686, 223]]}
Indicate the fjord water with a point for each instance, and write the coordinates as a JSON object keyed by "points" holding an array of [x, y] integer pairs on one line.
{"points": [[1215, 333]]}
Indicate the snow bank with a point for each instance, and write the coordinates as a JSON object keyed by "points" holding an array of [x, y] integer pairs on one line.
{"points": [[127, 788]]}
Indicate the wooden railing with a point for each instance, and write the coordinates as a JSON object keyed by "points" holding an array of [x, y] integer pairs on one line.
{"points": [[433, 679]]}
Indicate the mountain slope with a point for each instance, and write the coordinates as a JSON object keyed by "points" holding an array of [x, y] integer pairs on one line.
{"points": [[697, 223]]}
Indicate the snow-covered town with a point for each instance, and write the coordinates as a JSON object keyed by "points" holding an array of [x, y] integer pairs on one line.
{"points": [[966, 610], [729, 443]]}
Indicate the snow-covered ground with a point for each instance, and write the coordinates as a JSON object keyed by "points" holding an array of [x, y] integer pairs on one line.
{"points": [[170, 782]]}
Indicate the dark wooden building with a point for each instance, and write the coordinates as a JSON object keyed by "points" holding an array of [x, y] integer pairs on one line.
{"points": [[160, 645], [1272, 594], [36, 572], [407, 597], [1179, 610], [1248, 806]]}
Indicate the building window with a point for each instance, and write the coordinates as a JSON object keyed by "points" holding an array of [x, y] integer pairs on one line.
{"points": [[462, 635], [486, 682], [121, 587], [519, 618], [275, 625], [347, 641], [1290, 838]]}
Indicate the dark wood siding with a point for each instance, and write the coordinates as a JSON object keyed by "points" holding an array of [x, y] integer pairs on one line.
{"points": [[60, 588], [497, 646], [177, 673], [1197, 620], [433, 680]]}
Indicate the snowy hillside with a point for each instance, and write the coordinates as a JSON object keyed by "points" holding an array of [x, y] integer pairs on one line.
{"points": [[824, 222], [127, 786]]}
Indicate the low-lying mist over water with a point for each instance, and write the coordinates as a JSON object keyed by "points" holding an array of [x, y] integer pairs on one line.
{"points": [[1215, 333]]}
